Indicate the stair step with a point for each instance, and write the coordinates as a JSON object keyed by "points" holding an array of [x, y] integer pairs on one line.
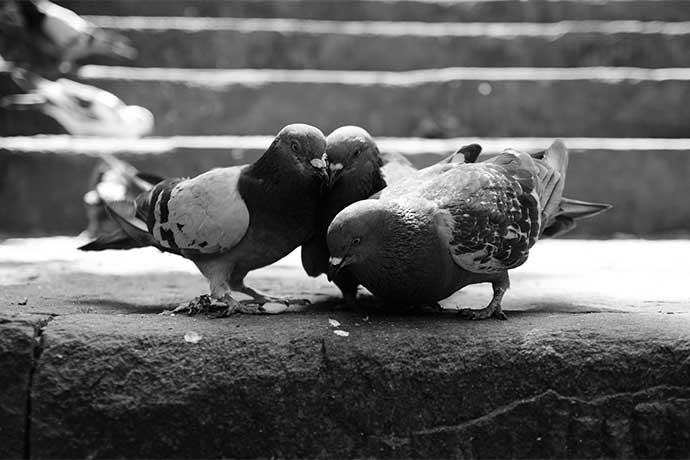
{"points": [[396, 10], [450, 102], [297, 44], [46, 177]]}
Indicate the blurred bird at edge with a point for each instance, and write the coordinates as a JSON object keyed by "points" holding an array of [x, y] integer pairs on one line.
{"points": [[49, 39], [83, 110]]}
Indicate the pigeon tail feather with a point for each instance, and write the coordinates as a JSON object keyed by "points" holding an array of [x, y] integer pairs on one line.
{"points": [[132, 226], [569, 212], [577, 209], [560, 226], [117, 239]]}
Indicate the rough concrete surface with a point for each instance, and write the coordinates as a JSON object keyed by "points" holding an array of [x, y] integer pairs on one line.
{"points": [[593, 362], [18, 343]]}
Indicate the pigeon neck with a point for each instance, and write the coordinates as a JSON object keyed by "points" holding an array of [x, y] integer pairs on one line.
{"points": [[351, 190], [409, 261], [272, 164], [378, 183]]}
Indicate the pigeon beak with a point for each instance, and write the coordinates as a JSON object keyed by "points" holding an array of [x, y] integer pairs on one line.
{"points": [[318, 163], [334, 266], [322, 166]]}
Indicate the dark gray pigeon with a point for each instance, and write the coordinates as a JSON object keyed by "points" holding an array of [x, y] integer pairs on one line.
{"points": [[357, 171], [229, 221], [454, 225]]}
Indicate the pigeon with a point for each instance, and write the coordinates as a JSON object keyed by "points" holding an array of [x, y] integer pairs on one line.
{"points": [[465, 223], [83, 110], [229, 221], [357, 170], [60, 35]]}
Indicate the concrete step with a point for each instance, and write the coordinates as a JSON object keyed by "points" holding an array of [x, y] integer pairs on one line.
{"points": [[451, 102], [45, 177], [592, 362], [396, 10], [298, 44]]}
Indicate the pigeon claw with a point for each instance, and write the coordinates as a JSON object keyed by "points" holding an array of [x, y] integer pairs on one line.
{"points": [[481, 314], [202, 304]]}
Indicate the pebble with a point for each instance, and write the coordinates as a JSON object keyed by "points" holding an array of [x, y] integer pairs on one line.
{"points": [[273, 308]]}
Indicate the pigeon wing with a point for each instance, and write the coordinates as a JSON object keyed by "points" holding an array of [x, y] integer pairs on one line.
{"points": [[205, 214], [488, 216], [395, 168]]}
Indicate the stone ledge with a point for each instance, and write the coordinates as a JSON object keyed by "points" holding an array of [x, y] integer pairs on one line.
{"points": [[594, 361], [18, 344], [545, 385]]}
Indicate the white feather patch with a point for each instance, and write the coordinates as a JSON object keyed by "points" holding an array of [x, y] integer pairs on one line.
{"points": [[206, 213]]}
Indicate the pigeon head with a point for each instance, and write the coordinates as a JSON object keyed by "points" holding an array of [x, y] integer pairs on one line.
{"points": [[354, 236], [305, 145], [351, 153]]}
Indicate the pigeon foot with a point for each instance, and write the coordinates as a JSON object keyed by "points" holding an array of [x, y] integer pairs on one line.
{"points": [[261, 298], [205, 304], [493, 310]]}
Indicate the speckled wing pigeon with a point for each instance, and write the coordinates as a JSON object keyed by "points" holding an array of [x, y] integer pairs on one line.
{"points": [[467, 223], [229, 221], [357, 170]]}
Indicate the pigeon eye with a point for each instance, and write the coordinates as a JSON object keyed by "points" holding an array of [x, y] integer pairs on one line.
{"points": [[356, 241], [295, 147], [356, 153]]}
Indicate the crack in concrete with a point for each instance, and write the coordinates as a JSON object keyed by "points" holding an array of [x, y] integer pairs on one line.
{"points": [[39, 329], [550, 393]]}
